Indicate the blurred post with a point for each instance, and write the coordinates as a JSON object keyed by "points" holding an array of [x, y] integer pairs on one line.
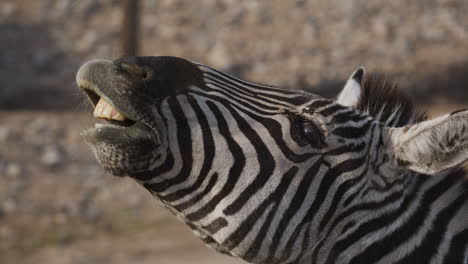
{"points": [[130, 27]]}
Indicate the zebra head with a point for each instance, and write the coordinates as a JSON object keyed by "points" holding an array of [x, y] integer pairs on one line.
{"points": [[250, 167]]}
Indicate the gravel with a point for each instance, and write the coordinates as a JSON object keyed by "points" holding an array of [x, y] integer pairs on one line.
{"points": [[58, 206], [296, 44]]}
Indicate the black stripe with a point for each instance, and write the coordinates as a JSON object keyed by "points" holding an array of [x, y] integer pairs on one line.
{"points": [[331, 110], [247, 225], [163, 168], [299, 99], [380, 248], [327, 181], [216, 225], [274, 129], [304, 244], [209, 240], [377, 188], [352, 131], [265, 160], [183, 206], [458, 111], [294, 206], [344, 117], [250, 100], [232, 101], [338, 196], [185, 148], [431, 241], [374, 224], [348, 184], [234, 172], [458, 247], [369, 206], [275, 197], [226, 76], [248, 93], [366, 207], [347, 149], [209, 151], [166, 166]]}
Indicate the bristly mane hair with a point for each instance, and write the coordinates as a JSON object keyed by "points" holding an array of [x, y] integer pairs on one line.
{"points": [[383, 100]]}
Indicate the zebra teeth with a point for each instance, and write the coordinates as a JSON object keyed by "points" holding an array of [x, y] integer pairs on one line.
{"points": [[104, 110]]}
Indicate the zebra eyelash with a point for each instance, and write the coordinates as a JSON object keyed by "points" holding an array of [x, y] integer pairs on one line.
{"points": [[313, 134], [306, 132]]}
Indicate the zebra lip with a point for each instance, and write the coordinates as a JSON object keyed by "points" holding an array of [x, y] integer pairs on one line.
{"points": [[104, 109], [118, 124]]}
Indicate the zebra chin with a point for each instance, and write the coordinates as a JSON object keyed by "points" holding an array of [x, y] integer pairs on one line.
{"points": [[123, 151]]}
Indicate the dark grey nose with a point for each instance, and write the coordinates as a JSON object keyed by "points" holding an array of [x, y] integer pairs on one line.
{"points": [[162, 76], [135, 68]]}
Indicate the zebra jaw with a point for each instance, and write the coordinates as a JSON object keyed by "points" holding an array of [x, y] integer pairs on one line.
{"points": [[126, 144]]}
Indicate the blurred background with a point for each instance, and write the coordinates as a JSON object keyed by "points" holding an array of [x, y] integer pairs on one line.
{"points": [[56, 203]]}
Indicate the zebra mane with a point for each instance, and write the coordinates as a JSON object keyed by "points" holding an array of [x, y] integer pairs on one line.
{"points": [[384, 101]]}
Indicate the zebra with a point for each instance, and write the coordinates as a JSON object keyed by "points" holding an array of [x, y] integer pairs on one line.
{"points": [[277, 176]]}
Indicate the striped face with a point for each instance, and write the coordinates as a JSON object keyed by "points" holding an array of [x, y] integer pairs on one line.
{"points": [[259, 162], [256, 171]]}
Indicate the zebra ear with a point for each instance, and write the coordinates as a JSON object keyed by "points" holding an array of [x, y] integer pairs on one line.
{"points": [[352, 90], [432, 146]]}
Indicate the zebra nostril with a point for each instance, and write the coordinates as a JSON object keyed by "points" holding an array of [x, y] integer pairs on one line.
{"points": [[140, 72]]}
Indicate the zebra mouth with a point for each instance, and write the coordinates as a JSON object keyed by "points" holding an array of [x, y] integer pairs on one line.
{"points": [[118, 127], [97, 79], [106, 111], [125, 143]]}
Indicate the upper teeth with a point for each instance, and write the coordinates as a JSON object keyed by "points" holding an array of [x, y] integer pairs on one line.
{"points": [[106, 111]]}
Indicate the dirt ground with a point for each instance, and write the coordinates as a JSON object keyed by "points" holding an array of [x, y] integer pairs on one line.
{"points": [[298, 44], [57, 206]]}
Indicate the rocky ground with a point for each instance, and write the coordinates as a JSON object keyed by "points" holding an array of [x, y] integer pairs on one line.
{"points": [[57, 206], [297, 44]]}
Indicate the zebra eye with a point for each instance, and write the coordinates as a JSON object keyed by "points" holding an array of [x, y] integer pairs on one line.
{"points": [[312, 134]]}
